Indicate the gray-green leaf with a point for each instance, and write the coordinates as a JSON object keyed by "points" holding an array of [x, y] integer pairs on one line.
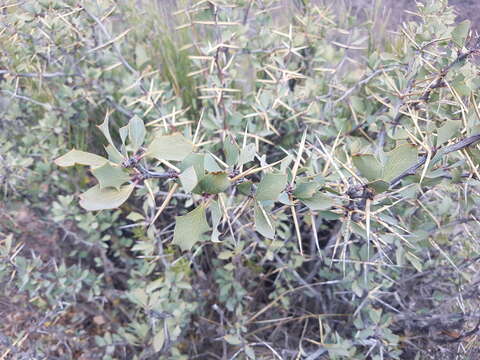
{"points": [[123, 132], [190, 228], [216, 213], [414, 261], [399, 160], [263, 223], [198, 163], [379, 186], [247, 154], [368, 165], [319, 201], [189, 179], [113, 154], [106, 131], [81, 158], [211, 164], [136, 132], [170, 147], [213, 183], [158, 340], [448, 130], [104, 128], [460, 33], [233, 339], [109, 175], [305, 190], [231, 152], [108, 198], [271, 186]]}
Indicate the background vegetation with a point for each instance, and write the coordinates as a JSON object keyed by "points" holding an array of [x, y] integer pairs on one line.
{"points": [[264, 180]]}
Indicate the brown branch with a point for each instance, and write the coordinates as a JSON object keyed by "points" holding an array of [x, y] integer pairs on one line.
{"points": [[437, 83], [247, 12], [398, 117], [462, 144]]}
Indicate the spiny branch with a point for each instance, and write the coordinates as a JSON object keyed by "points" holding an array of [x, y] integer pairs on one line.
{"points": [[364, 81], [437, 83], [462, 144]]}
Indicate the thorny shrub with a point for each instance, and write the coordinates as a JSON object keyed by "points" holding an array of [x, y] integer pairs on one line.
{"points": [[289, 182]]}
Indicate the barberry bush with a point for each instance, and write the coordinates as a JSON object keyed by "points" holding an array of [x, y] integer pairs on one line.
{"points": [[238, 180]]}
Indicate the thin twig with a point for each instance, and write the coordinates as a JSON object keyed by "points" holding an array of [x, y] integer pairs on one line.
{"points": [[165, 202], [119, 55], [38, 75], [364, 81]]}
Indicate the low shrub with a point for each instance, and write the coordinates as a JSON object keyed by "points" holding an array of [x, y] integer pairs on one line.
{"points": [[261, 179]]}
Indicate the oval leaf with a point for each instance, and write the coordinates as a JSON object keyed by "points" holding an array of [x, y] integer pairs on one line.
{"points": [[263, 223], [136, 132], [170, 147], [306, 190], [379, 186], [233, 339], [460, 33], [448, 130], [319, 201], [368, 165], [211, 164], [231, 152], [399, 160], [113, 154], [104, 128], [198, 163], [245, 188], [216, 213], [81, 158], [158, 340], [247, 154], [102, 199], [271, 186]]}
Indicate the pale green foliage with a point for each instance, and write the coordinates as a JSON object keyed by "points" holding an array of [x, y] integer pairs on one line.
{"points": [[263, 222], [74, 157], [287, 182], [170, 147], [271, 186], [448, 130], [398, 160], [189, 228], [213, 183], [460, 33], [109, 175], [368, 166], [98, 198], [136, 132], [319, 201], [188, 178]]}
